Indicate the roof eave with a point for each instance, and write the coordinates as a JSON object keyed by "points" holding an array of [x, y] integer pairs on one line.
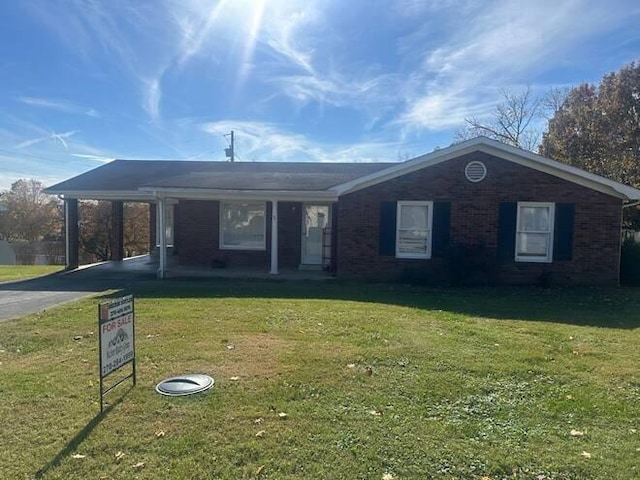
{"points": [[124, 195], [227, 194]]}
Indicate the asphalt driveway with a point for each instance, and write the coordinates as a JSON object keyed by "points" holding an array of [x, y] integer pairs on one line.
{"points": [[34, 295]]}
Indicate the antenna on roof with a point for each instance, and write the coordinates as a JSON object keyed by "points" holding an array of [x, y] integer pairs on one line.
{"points": [[229, 152]]}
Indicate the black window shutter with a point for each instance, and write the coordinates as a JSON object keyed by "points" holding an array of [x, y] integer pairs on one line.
{"points": [[441, 228], [507, 217], [563, 231], [388, 228]]}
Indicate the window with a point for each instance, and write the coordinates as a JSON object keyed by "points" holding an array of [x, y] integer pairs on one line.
{"points": [[413, 234], [534, 232], [242, 225]]}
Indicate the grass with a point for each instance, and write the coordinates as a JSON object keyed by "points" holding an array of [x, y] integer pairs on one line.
{"points": [[20, 272], [376, 381]]}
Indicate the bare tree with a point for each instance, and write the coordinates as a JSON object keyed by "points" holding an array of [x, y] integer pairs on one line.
{"points": [[512, 122]]}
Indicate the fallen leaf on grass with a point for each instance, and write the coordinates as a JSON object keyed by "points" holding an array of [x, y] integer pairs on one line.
{"points": [[139, 465], [569, 397], [160, 433], [230, 347], [261, 433], [119, 455], [632, 430], [387, 476], [259, 470], [235, 378], [351, 365], [576, 433], [375, 412], [586, 454], [575, 352], [282, 415], [258, 420], [78, 337], [77, 456]]}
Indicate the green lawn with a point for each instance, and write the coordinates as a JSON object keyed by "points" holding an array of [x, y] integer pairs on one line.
{"points": [[376, 381], [20, 272]]}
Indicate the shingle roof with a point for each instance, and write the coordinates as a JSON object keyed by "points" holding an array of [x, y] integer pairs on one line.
{"points": [[132, 175]]}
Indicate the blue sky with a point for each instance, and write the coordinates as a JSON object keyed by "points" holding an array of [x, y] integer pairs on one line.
{"points": [[86, 81]]}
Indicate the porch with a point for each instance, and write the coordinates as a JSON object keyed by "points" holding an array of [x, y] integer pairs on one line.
{"points": [[147, 266]]}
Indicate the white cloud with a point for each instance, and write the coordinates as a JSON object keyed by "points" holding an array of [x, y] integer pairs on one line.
{"points": [[60, 105], [265, 141], [60, 137], [493, 45], [152, 97], [96, 158]]}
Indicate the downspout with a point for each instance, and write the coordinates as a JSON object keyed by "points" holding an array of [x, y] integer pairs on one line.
{"points": [[274, 238]]}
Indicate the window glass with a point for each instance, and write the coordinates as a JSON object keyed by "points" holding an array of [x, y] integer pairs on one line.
{"points": [[413, 237], [534, 236], [242, 225], [535, 219]]}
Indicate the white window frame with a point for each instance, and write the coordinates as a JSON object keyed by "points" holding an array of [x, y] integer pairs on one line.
{"points": [[531, 258], [429, 206], [221, 244]]}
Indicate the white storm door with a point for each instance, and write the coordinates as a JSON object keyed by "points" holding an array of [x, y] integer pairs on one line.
{"points": [[315, 219]]}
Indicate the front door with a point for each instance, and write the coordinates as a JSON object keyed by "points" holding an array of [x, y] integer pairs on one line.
{"points": [[315, 234]]}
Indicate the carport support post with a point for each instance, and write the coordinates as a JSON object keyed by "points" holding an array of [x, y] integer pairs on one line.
{"points": [[162, 222], [274, 237], [117, 230], [72, 237]]}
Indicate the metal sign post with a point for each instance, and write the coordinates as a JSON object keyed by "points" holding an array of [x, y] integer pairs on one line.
{"points": [[116, 327]]}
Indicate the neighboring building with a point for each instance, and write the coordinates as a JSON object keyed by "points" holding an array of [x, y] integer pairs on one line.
{"points": [[7, 253], [476, 211]]}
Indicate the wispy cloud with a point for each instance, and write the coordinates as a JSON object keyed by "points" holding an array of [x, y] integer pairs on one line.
{"points": [[494, 45], [60, 137], [60, 105], [258, 141], [96, 158]]}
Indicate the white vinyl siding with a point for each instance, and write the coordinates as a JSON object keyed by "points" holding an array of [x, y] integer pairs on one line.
{"points": [[413, 232], [534, 232], [242, 225]]}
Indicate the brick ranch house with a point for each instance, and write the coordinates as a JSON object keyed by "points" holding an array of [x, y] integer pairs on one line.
{"points": [[478, 209]]}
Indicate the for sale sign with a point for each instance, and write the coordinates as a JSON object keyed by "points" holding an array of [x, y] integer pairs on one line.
{"points": [[116, 334]]}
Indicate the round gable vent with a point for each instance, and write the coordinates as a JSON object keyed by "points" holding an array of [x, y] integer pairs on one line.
{"points": [[475, 171]]}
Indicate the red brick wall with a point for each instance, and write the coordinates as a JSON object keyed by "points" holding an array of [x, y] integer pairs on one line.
{"points": [[198, 237], [474, 220]]}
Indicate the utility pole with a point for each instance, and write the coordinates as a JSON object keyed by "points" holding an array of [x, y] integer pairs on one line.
{"points": [[230, 152]]}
